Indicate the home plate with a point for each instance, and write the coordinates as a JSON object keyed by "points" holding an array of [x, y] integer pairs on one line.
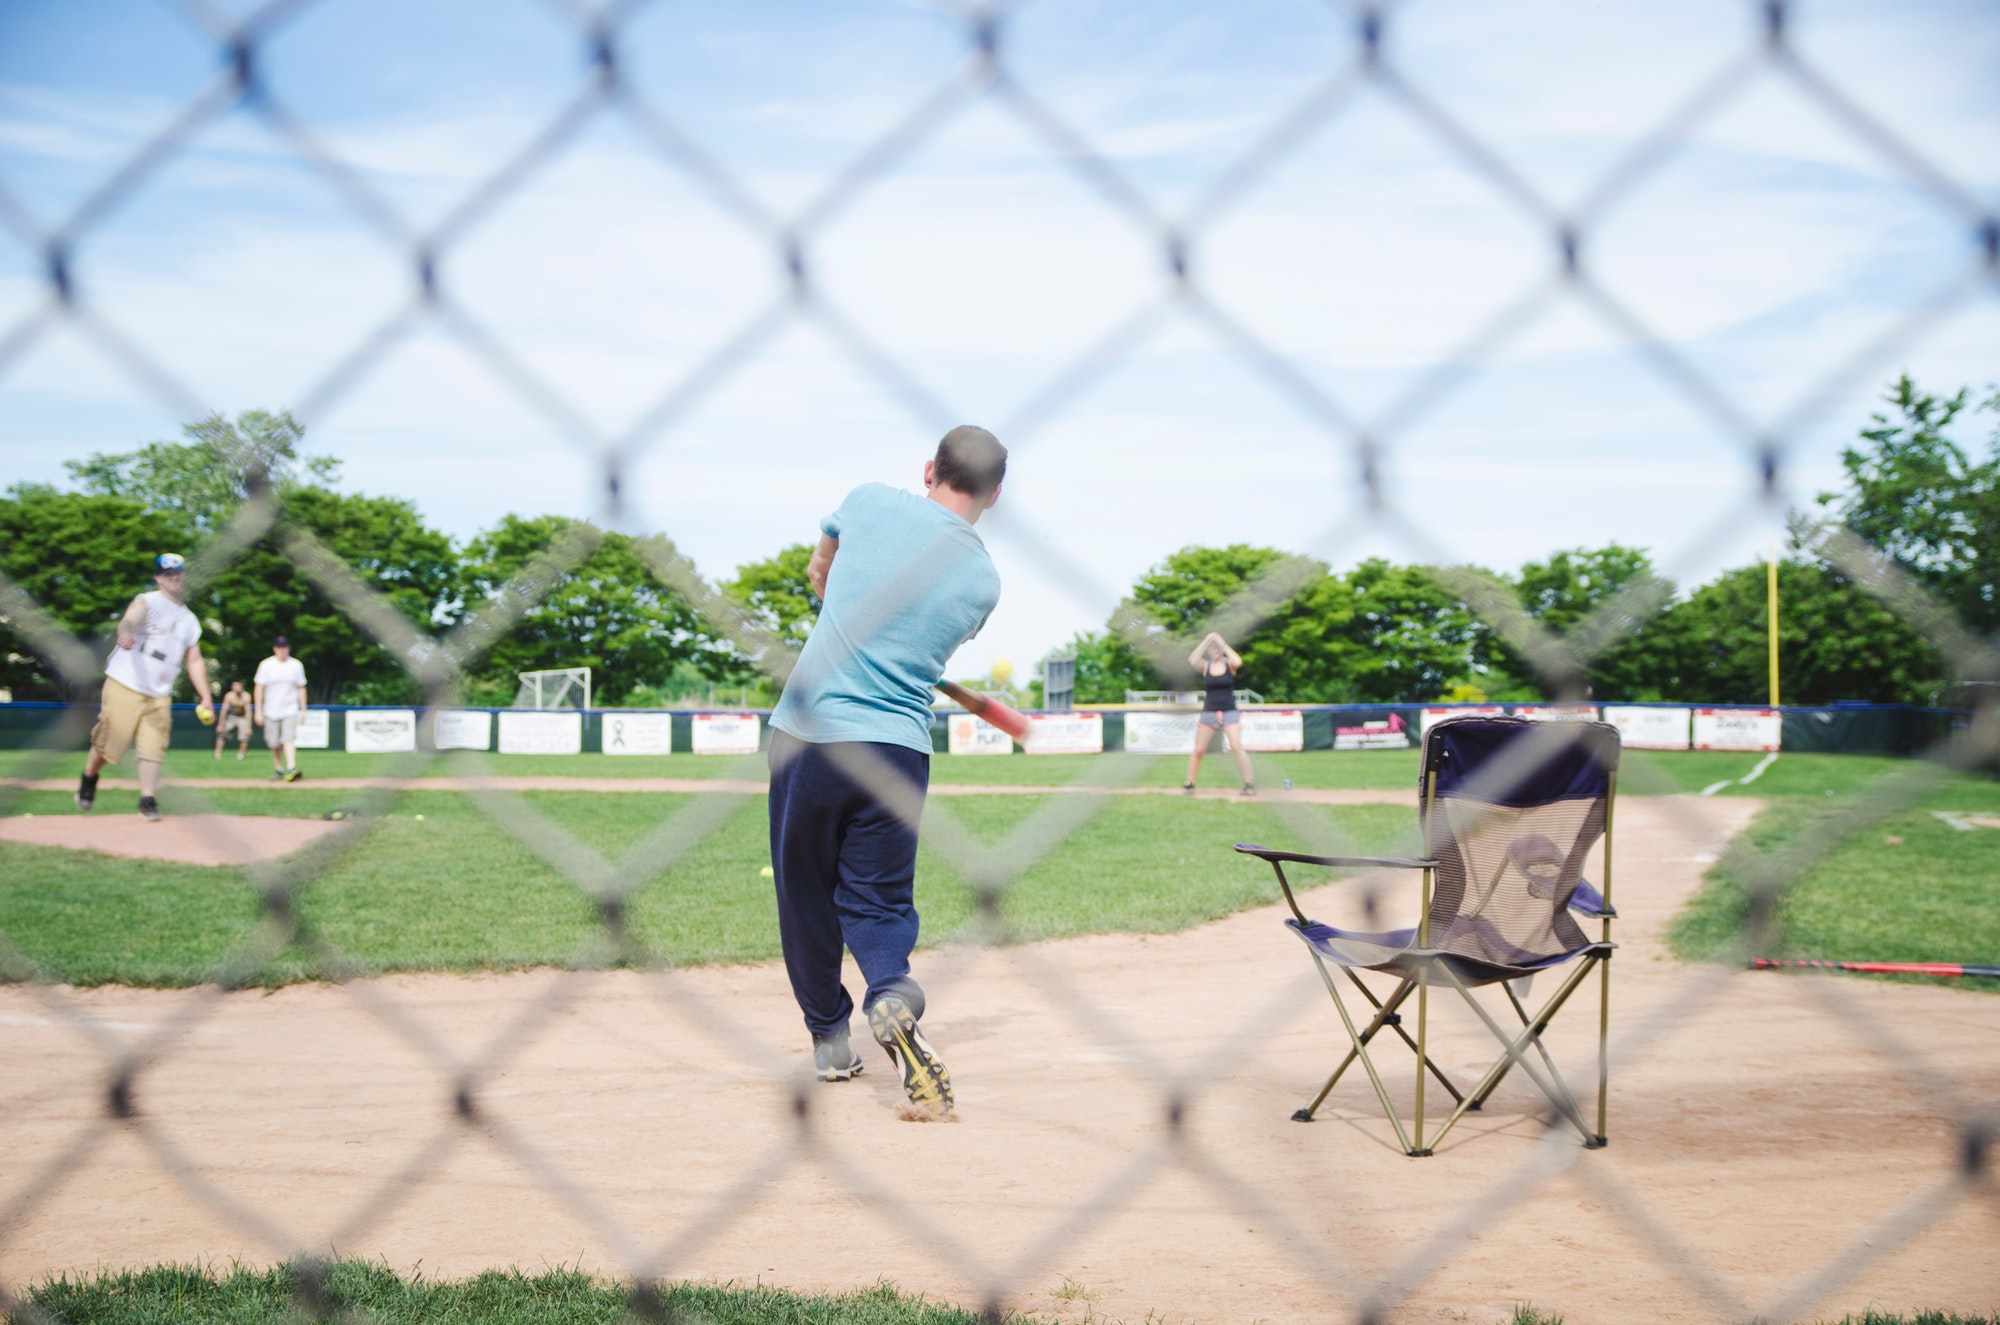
{"points": [[190, 839]]}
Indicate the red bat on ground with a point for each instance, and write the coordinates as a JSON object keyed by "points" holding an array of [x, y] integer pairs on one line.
{"points": [[1879, 968], [992, 710]]}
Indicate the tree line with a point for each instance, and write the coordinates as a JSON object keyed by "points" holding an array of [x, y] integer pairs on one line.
{"points": [[1379, 632]]}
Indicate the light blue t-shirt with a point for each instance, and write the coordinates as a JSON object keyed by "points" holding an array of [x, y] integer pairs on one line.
{"points": [[910, 583]]}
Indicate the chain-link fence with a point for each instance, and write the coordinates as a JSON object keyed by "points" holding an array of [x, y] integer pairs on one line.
{"points": [[1176, 1076]]}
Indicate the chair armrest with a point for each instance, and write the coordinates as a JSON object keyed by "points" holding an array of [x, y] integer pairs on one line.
{"points": [[1587, 901], [1347, 862]]}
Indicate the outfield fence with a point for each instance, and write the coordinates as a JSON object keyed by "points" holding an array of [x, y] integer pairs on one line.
{"points": [[1959, 1185]]}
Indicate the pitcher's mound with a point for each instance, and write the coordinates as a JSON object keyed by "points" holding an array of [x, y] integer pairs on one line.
{"points": [[191, 839]]}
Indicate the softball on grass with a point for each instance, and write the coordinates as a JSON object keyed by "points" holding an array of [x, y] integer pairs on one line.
{"points": [[418, 817], [766, 872], [1002, 669]]}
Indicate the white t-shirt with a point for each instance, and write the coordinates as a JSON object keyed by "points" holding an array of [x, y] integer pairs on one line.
{"points": [[153, 663], [281, 682]]}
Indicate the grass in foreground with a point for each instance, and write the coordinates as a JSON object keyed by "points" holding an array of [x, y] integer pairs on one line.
{"points": [[169, 1294], [1909, 888], [453, 891]]}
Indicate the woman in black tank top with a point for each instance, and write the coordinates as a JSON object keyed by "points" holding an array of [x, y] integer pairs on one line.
{"points": [[1217, 664]]}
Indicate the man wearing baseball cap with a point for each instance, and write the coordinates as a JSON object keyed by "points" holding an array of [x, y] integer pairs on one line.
{"points": [[278, 702], [156, 635]]}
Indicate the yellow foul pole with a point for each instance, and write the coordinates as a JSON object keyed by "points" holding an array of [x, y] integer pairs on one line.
{"points": [[1771, 621]]}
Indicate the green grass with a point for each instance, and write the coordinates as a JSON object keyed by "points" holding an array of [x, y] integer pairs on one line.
{"points": [[169, 1295], [1643, 772], [184, 1295], [1905, 888], [454, 892]]}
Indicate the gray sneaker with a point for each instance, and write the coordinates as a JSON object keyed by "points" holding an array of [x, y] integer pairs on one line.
{"points": [[834, 1058], [925, 1080]]}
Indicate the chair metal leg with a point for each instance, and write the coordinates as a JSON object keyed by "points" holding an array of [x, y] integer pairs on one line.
{"points": [[1403, 991], [1360, 1051], [1516, 1048]]}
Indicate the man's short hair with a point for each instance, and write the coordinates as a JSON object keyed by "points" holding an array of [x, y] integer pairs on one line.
{"points": [[970, 460]]}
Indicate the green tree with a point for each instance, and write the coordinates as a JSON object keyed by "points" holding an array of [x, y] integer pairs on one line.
{"points": [[1417, 638], [609, 613], [385, 543], [777, 594], [202, 480], [81, 557], [1563, 592], [1918, 497], [1106, 667], [1835, 642]]}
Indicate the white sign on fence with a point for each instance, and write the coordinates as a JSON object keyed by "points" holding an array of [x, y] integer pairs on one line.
{"points": [[1272, 730], [1556, 712], [381, 731], [1433, 716], [463, 729], [725, 733], [315, 729], [1651, 728], [1159, 733], [968, 735], [637, 733], [1388, 733], [1065, 734], [524, 732], [1738, 729]]}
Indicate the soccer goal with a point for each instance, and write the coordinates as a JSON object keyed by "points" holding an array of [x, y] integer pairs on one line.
{"points": [[555, 688]]}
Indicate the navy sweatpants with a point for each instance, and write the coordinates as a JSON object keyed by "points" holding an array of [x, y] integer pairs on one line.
{"points": [[845, 869]]}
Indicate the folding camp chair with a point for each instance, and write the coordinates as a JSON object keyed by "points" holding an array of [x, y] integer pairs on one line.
{"points": [[1509, 809]]}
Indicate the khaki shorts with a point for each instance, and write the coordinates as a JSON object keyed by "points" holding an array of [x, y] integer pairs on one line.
{"points": [[281, 731], [237, 726], [125, 714]]}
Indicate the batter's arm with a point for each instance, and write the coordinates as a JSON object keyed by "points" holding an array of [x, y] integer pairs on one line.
{"points": [[132, 622], [821, 562]]}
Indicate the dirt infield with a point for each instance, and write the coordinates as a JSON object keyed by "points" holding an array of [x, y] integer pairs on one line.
{"points": [[1759, 1133], [185, 839]]}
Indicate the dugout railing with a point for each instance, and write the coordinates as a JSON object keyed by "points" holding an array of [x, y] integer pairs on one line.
{"points": [[1957, 1187]]}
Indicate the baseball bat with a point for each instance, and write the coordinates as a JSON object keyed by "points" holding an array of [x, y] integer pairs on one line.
{"points": [[1879, 968], [992, 710]]}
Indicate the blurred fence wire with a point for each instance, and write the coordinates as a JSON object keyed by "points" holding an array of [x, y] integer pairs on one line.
{"points": [[982, 74]]}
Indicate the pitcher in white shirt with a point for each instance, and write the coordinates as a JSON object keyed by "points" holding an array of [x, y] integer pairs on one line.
{"points": [[156, 636], [278, 702]]}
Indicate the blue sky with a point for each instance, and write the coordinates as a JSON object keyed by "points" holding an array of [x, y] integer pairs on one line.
{"points": [[1769, 250]]}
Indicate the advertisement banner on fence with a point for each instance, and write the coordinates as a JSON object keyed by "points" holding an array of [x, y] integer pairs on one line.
{"points": [[1159, 733], [1065, 734], [1738, 729], [1272, 731], [725, 733], [528, 733], [1433, 716], [976, 736], [381, 731], [1556, 712], [315, 729], [1651, 728], [637, 733], [462, 729], [1388, 732]]}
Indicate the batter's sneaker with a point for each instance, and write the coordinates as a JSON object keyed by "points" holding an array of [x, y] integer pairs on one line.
{"points": [[149, 809], [925, 1080], [86, 792], [834, 1058], [293, 775]]}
